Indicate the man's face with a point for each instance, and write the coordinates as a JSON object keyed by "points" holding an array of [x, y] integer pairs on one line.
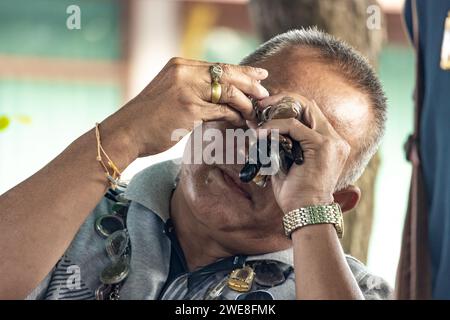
{"points": [[231, 209]]}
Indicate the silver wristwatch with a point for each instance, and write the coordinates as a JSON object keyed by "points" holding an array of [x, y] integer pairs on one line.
{"points": [[310, 215]]}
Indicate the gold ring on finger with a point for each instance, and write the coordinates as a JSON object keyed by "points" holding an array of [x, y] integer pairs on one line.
{"points": [[216, 92]]}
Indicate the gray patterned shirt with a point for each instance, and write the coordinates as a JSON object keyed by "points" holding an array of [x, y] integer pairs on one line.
{"points": [[76, 276]]}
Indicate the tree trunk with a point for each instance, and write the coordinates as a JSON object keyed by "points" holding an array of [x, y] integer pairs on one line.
{"points": [[346, 19]]}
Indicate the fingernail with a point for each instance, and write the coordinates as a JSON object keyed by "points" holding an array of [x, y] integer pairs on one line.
{"points": [[263, 72], [265, 92]]}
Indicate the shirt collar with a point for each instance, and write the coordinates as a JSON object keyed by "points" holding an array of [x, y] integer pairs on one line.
{"points": [[152, 188]]}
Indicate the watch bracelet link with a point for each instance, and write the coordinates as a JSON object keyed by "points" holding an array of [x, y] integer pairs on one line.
{"points": [[318, 214]]}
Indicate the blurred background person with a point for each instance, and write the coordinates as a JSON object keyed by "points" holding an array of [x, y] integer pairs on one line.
{"points": [[424, 268], [56, 77]]}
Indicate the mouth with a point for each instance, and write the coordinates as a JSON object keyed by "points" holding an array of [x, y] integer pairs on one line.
{"points": [[232, 180]]}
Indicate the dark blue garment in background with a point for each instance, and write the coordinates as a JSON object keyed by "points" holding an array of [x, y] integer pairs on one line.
{"points": [[435, 137]]}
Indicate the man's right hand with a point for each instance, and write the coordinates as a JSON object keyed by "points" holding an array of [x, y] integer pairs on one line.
{"points": [[181, 95], [324, 150]]}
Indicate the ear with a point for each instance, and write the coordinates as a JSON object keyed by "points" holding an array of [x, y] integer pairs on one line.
{"points": [[347, 198]]}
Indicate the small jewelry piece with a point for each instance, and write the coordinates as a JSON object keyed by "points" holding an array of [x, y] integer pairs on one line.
{"points": [[108, 224], [268, 273], [115, 272], [117, 244], [319, 214], [286, 108], [241, 280]]}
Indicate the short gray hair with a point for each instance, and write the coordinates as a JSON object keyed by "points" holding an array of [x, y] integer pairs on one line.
{"points": [[351, 66]]}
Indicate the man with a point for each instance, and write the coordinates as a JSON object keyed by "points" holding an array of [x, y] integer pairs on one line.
{"points": [[206, 235], [341, 18]]}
